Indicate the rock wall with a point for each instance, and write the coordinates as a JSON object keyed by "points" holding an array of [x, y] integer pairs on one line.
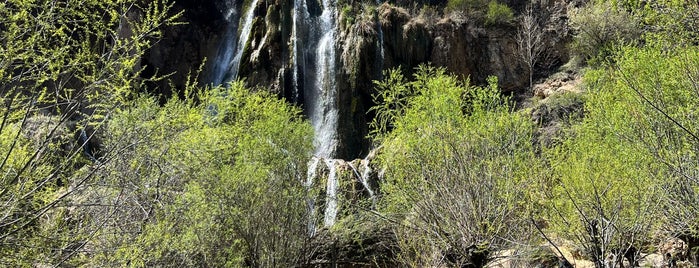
{"points": [[371, 37]]}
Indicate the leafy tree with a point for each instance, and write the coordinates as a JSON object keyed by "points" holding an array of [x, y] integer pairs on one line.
{"points": [[63, 66], [628, 173], [456, 164], [218, 182], [665, 95]]}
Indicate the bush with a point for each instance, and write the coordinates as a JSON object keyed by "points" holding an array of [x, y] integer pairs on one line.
{"points": [[629, 167], [213, 183], [600, 27], [662, 96], [498, 14], [64, 67], [455, 161], [466, 5]]}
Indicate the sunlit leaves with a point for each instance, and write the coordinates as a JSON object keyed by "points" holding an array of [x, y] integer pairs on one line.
{"points": [[454, 152]]}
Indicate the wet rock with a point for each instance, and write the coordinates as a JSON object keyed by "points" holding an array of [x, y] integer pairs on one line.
{"points": [[338, 188], [408, 41], [184, 47], [362, 241]]}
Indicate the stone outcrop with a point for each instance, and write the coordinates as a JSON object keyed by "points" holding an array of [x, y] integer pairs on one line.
{"points": [[408, 41], [471, 51], [266, 59]]}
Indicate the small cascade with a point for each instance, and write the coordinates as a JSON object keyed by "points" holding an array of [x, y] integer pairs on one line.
{"points": [[233, 45], [300, 15], [242, 41], [363, 178], [331, 207], [226, 51], [310, 176], [366, 173], [380, 49]]}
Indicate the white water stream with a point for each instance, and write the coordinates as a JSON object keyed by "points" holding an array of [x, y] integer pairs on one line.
{"points": [[227, 64]]}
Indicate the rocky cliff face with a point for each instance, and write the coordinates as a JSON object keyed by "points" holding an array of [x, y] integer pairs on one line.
{"points": [[371, 37]]}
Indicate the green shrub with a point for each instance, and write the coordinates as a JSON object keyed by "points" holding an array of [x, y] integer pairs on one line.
{"points": [[498, 14], [452, 146], [218, 182], [466, 5], [600, 27], [629, 170], [347, 16], [64, 66]]}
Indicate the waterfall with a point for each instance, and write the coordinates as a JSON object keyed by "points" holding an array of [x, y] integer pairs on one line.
{"points": [[233, 45], [225, 52], [315, 71], [300, 15], [323, 110]]}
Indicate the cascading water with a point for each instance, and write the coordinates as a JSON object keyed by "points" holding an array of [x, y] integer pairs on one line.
{"points": [[322, 93], [231, 52], [314, 75], [300, 15], [225, 53], [331, 194], [242, 40], [314, 57], [365, 181], [310, 176], [314, 71], [363, 178]]}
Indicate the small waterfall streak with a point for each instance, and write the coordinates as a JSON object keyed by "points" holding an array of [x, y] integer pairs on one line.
{"points": [[242, 41], [299, 15], [225, 53], [331, 207], [310, 200], [379, 62], [366, 173], [364, 179]]}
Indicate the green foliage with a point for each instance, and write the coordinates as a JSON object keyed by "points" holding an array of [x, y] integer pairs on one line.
{"points": [[64, 65], [675, 23], [601, 26], [347, 15], [225, 173], [662, 84], [629, 167], [455, 153], [498, 14], [391, 98], [466, 5], [490, 12]]}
